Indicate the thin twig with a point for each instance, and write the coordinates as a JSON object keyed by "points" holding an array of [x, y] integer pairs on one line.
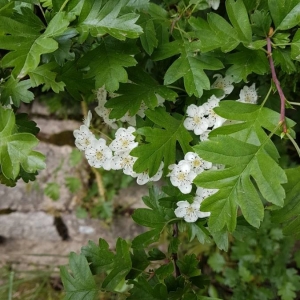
{"points": [[276, 81], [174, 255]]}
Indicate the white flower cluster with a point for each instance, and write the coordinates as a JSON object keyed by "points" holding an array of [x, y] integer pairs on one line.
{"points": [[104, 112], [191, 212], [116, 156], [183, 173]]}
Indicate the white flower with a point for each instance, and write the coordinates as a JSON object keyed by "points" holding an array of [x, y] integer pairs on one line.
{"points": [[196, 120], [131, 120], [123, 160], [214, 4], [98, 154], [143, 178], [204, 136], [88, 119], [142, 109], [102, 111], [190, 212], [83, 137], [124, 140], [198, 164], [248, 94], [101, 95], [160, 100], [182, 176], [224, 84], [214, 120], [202, 193]]}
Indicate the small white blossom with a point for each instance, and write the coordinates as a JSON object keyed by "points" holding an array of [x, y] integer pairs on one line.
{"points": [[131, 120], [204, 136], [190, 212], [122, 160], [142, 109], [248, 94], [214, 120], [214, 4], [124, 140], [182, 176], [101, 95], [224, 84], [160, 100], [143, 178], [98, 154], [198, 164], [88, 119], [83, 137], [196, 120]]}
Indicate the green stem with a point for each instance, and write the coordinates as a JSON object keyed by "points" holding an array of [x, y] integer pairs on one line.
{"points": [[294, 143], [294, 103], [267, 96], [63, 5]]}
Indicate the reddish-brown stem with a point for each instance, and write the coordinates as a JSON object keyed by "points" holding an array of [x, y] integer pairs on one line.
{"points": [[277, 83], [174, 255]]}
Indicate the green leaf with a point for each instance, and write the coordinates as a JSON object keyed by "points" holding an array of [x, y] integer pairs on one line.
{"points": [[140, 262], [156, 254], [148, 37], [146, 238], [281, 10], [52, 190], [99, 256], [238, 17], [16, 148], [261, 22], [16, 91], [100, 18], [287, 291], [149, 218], [295, 47], [44, 75], [143, 89], [216, 261], [73, 184], [26, 125], [236, 186], [291, 19], [247, 62], [81, 284], [26, 55], [223, 31], [199, 231], [121, 266], [190, 67], [189, 265], [71, 75], [144, 290], [282, 57], [107, 63], [290, 213], [221, 239], [160, 142]]}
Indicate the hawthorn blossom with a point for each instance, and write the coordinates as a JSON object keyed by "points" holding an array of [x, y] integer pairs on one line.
{"points": [[124, 140], [182, 176], [214, 120], [202, 193], [224, 84], [98, 154], [122, 160], [197, 164], [196, 120], [190, 212], [214, 4], [143, 178], [248, 94], [83, 137], [204, 136], [131, 120]]}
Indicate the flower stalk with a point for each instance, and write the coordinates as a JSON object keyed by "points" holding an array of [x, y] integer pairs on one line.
{"points": [[174, 255], [276, 81]]}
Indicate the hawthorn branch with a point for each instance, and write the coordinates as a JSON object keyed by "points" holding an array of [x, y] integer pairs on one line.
{"points": [[276, 81], [174, 255]]}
